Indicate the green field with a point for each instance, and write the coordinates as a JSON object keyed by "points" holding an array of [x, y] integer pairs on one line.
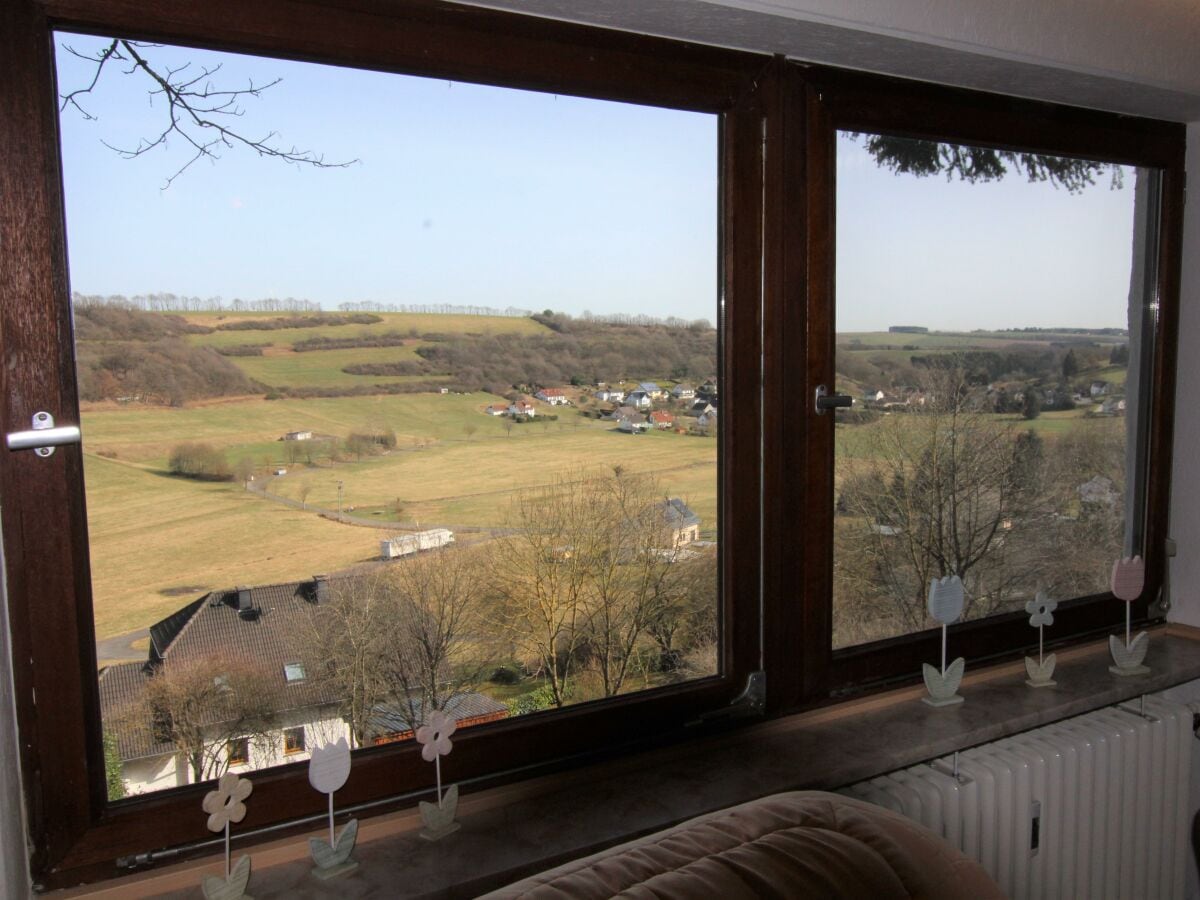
{"points": [[323, 368], [153, 535]]}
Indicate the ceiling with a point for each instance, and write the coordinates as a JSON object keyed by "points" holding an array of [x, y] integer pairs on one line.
{"points": [[1138, 57]]}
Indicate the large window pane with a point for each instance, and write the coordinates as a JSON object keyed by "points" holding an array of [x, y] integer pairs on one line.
{"points": [[991, 320], [436, 428]]}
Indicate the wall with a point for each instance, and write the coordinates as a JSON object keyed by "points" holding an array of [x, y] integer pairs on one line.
{"points": [[1185, 498]]}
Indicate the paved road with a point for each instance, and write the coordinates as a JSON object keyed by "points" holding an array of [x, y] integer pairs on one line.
{"points": [[120, 649]]}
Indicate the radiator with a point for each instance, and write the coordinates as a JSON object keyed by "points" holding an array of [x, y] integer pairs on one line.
{"points": [[1095, 806]]}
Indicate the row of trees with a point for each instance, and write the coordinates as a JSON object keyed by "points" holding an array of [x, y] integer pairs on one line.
{"points": [[951, 490], [173, 303]]}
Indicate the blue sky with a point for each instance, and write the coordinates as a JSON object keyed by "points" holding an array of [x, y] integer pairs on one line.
{"points": [[475, 195]]}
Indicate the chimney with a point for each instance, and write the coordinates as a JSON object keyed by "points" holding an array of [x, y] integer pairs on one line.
{"points": [[243, 598], [321, 588]]}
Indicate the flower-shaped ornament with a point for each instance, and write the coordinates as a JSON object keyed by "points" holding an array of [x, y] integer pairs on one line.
{"points": [[434, 735], [1041, 610], [329, 766], [945, 599], [224, 805], [1128, 578]]}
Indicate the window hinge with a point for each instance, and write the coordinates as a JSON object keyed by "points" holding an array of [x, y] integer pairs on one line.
{"points": [[751, 702]]}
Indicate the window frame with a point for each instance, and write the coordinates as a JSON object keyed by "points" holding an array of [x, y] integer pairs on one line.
{"points": [[778, 122], [817, 103], [237, 758], [303, 744], [76, 834]]}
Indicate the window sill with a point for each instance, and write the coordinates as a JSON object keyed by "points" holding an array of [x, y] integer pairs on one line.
{"points": [[518, 829]]}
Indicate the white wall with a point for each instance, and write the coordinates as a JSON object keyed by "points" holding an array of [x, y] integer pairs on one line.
{"points": [[1185, 480]]}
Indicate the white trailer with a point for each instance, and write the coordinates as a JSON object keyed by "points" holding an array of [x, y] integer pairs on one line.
{"points": [[408, 544]]}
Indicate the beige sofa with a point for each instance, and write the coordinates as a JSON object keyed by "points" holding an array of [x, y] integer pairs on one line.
{"points": [[801, 844]]}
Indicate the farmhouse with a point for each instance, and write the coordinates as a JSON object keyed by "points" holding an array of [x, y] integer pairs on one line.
{"points": [[298, 436], [634, 424], [522, 408], [683, 392], [661, 419], [255, 624], [552, 396], [684, 524], [496, 409]]}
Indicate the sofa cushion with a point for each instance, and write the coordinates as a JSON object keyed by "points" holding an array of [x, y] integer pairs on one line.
{"points": [[805, 843]]}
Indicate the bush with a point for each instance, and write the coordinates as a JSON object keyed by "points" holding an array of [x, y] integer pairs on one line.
{"points": [[504, 675], [203, 462]]}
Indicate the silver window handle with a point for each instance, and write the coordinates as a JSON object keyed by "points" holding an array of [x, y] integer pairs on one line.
{"points": [[826, 400], [44, 436]]}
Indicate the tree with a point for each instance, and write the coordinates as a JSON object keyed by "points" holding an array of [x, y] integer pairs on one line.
{"points": [[410, 637], [587, 566], [302, 493], [1032, 407], [1070, 365], [196, 111], [945, 492], [469, 430], [199, 705], [244, 470], [972, 164]]}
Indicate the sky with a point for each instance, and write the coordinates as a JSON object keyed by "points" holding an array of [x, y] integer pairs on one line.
{"points": [[474, 195]]}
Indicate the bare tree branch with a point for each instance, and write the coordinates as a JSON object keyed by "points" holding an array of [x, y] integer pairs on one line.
{"points": [[196, 110]]}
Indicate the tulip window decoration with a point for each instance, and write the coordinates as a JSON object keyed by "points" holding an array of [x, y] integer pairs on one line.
{"points": [[1128, 580], [328, 769], [227, 805], [1041, 616], [945, 606], [434, 738]]}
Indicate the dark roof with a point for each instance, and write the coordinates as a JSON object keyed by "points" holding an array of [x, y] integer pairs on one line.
{"points": [[392, 719], [678, 514], [121, 688], [210, 626]]}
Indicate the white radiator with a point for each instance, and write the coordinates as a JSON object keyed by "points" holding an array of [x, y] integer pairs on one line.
{"points": [[1095, 806]]}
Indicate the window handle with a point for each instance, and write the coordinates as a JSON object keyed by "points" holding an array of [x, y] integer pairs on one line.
{"points": [[44, 436], [826, 400]]}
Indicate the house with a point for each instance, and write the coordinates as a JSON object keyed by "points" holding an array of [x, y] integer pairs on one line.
{"points": [[708, 390], [496, 409], [700, 407], [683, 392], [874, 395], [522, 408], [255, 624], [610, 395], [634, 424], [1112, 406], [298, 436], [652, 390], [552, 396], [624, 412], [640, 399], [707, 420], [1098, 389], [661, 419], [683, 523]]}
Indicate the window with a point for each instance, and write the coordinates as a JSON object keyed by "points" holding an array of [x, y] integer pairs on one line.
{"points": [[665, 488], [237, 752], [293, 740], [759, 460]]}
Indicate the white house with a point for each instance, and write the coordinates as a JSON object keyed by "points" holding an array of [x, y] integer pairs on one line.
{"points": [[298, 436], [652, 390], [639, 399], [522, 408], [683, 392], [552, 396], [609, 395], [496, 409], [633, 425]]}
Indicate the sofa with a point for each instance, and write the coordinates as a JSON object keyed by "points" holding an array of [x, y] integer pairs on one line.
{"points": [[798, 844]]}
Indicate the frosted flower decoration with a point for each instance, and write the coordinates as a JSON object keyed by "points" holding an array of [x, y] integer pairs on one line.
{"points": [[434, 736], [329, 766], [1041, 610], [945, 599], [224, 805], [1128, 578]]}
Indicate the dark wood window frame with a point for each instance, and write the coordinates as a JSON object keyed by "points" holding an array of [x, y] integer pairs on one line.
{"points": [[814, 105], [76, 833], [777, 119]]}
